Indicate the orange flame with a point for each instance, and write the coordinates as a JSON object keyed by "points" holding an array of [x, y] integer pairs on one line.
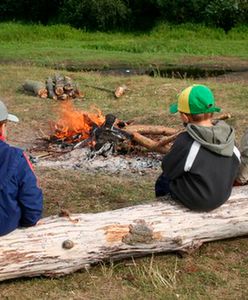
{"points": [[73, 123]]}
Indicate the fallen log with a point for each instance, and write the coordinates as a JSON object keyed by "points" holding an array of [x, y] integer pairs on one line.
{"points": [[168, 139], [63, 245], [149, 143], [36, 87], [151, 129], [117, 92]]}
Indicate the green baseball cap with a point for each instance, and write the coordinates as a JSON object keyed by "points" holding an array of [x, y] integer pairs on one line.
{"points": [[195, 99], [4, 115]]}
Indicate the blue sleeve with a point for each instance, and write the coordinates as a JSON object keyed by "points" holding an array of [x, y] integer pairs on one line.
{"points": [[30, 196]]}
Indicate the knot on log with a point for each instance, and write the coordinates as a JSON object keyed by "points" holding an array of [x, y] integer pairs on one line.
{"points": [[139, 233], [67, 244]]}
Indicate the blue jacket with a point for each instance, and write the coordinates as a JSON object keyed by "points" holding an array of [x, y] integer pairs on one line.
{"points": [[21, 200]]}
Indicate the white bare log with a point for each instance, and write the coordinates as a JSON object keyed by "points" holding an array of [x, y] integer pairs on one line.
{"points": [[62, 245]]}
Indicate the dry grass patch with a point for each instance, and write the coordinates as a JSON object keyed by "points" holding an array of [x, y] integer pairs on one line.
{"points": [[216, 271]]}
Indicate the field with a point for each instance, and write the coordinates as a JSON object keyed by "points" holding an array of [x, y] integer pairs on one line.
{"points": [[218, 270]]}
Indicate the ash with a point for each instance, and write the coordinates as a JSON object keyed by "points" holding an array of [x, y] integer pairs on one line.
{"points": [[85, 160]]}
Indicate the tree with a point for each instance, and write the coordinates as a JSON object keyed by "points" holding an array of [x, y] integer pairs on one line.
{"points": [[95, 14]]}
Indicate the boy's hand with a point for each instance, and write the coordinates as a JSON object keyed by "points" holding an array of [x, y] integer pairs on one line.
{"points": [[40, 222]]}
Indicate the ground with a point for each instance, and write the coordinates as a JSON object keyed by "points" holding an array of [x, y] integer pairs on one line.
{"points": [[218, 270]]}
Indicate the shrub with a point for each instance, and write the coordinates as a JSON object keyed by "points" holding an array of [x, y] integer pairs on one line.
{"points": [[95, 14], [226, 13], [181, 11], [29, 10]]}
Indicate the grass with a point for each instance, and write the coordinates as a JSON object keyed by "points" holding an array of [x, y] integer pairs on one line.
{"points": [[65, 46], [218, 270]]}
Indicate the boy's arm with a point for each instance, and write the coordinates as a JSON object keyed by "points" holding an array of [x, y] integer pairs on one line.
{"points": [[173, 163], [30, 195]]}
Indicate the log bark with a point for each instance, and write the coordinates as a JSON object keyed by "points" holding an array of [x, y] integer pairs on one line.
{"points": [[50, 88], [59, 84], [62, 245], [36, 87], [149, 143], [151, 129], [68, 84], [120, 90], [168, 139]]}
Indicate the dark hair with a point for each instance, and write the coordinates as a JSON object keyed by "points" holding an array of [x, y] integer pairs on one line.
{"points": [[200, 117], [3, 122]]}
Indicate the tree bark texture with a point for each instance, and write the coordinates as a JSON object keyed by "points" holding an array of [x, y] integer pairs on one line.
{"points": [[151, 129], [64, 244], [36, 87]]}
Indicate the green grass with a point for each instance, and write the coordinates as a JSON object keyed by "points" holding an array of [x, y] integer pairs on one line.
{"points": [[217, 270], [165, 44]]}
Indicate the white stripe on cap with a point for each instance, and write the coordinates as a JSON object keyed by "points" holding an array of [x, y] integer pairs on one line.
{"points": [[194, 149]]}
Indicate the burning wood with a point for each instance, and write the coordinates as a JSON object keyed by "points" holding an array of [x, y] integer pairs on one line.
{"points": [[59, 87], [76, 126], [106, 134]]}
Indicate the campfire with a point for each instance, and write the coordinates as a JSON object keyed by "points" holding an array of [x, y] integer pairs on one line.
{"points": [[75, 126], [77, 129], [92, 141]]}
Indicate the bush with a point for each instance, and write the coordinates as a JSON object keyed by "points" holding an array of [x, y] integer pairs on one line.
{"points": [[29, 10], [226, 13], [95, 14], [181, 11]]}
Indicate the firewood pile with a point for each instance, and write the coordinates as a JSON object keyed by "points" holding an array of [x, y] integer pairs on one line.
{"points": [[58, 87]]}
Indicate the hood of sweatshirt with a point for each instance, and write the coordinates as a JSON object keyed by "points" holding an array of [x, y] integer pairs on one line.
{"points": [[218, 138]]}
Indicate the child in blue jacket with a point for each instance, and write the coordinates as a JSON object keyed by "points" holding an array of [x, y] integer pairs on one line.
{"points": [[21, 200]]}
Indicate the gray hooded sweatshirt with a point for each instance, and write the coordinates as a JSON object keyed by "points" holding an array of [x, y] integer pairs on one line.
{"points": [[243, 171], [202, 166]]}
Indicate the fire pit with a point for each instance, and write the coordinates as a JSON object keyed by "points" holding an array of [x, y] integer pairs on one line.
{"points": [[91, 141]]}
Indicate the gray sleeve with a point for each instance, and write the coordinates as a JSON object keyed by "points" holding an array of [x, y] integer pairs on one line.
{"points": [[243, 171]]}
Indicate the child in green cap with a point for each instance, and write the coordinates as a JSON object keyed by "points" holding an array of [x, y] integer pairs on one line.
{"points": [[202, 165]]}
